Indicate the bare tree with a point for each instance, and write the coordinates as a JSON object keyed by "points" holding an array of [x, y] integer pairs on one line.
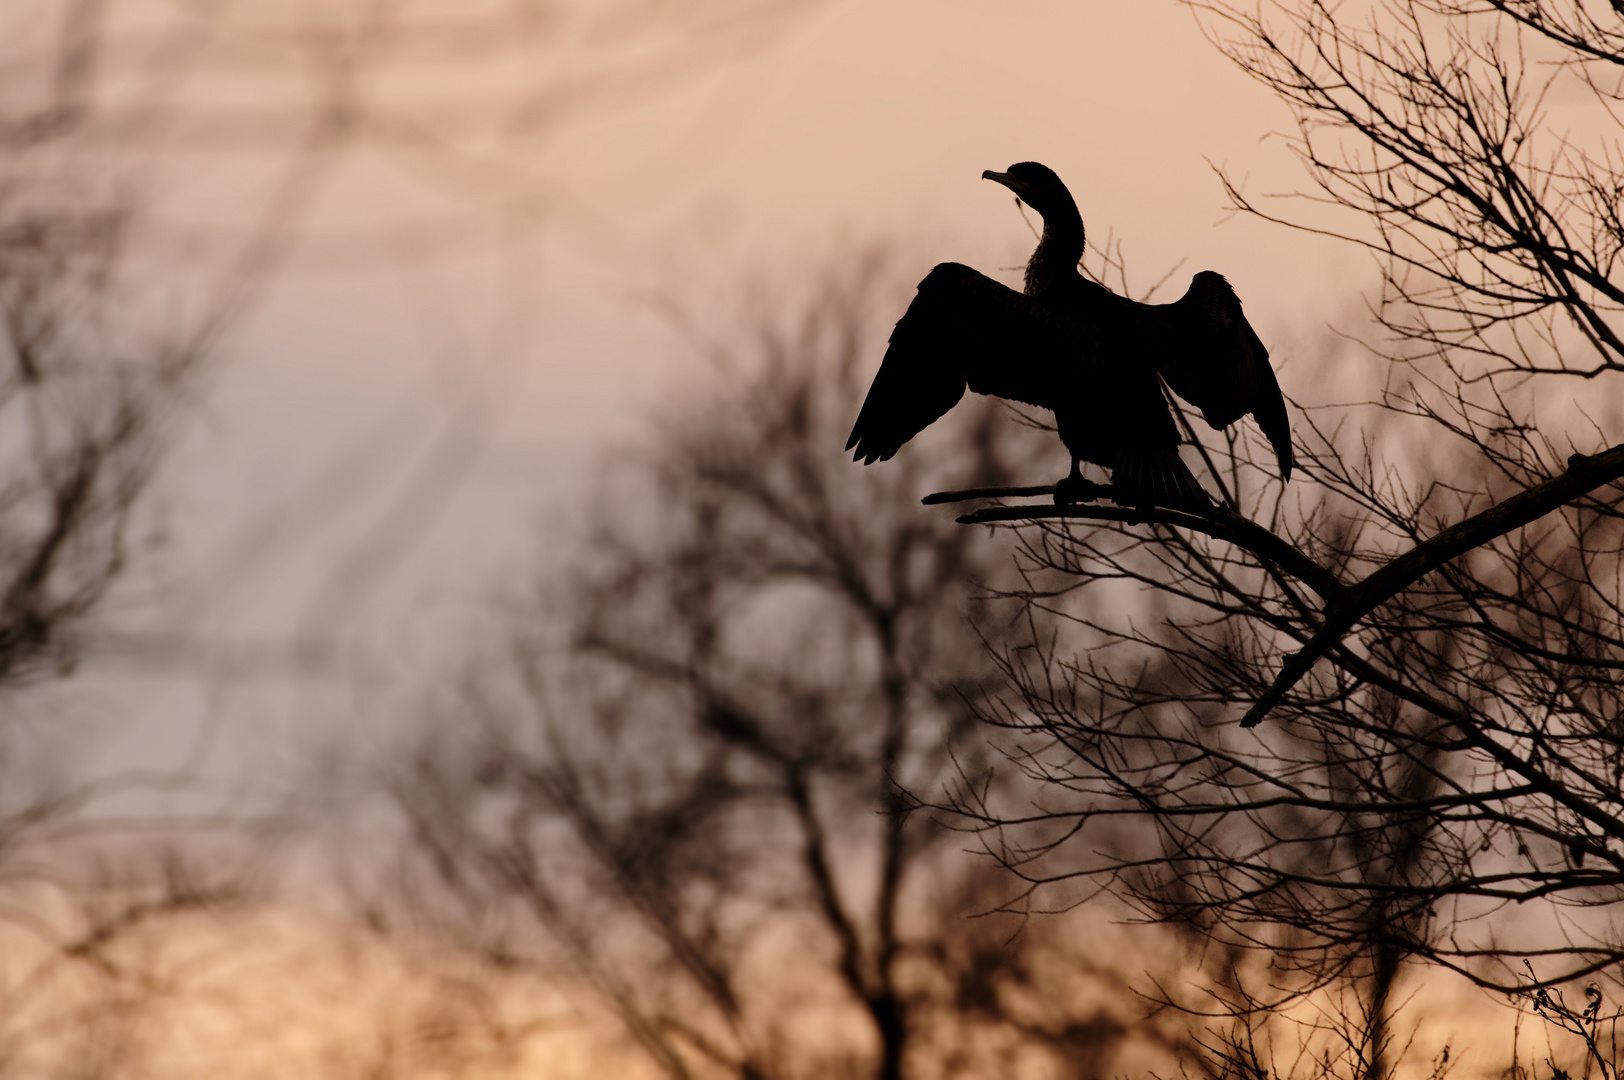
{"points": [[687, 782], [1375, 717], [106, 339]]}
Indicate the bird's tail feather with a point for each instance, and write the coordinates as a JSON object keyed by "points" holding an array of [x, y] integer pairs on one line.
{"points": [[1159, 478]]}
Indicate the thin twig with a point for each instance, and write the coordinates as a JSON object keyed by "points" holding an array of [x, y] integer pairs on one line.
{"points": [[996, 493]]}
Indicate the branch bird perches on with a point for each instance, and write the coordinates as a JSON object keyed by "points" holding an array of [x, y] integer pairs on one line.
{"points": [[1072, 346], [1343, 605]]}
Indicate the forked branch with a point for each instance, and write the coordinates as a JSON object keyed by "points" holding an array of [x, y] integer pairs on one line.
{"points": [[1584, 474]]}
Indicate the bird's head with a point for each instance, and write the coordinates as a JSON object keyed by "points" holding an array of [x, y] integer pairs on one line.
{"points": [[1037, 186]]}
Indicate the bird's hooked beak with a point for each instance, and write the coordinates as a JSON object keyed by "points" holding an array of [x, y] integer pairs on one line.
{"points": [[1012, 182]]}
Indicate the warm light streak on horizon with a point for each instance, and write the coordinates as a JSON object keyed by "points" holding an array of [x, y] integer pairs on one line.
{"points": [[285, 991]]}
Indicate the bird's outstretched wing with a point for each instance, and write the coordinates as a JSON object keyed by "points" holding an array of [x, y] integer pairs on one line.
{"points": [[1211, 357], [963, 328]]}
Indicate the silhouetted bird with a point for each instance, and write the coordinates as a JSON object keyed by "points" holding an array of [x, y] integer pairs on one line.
{"points": [[1072, 346]]}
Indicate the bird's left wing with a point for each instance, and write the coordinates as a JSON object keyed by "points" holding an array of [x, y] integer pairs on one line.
{"points": [[1211, 357], [962, 329]]}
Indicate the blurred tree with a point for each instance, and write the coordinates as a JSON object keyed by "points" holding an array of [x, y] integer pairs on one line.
{"points": [[699, 803], [91, 380], [1429, 628]]}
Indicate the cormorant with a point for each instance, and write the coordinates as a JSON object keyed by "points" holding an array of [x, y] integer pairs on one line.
{"points": [[1072, 346]]}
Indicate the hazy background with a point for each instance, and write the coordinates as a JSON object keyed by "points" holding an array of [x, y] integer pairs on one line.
{"points": [[414, 401]]}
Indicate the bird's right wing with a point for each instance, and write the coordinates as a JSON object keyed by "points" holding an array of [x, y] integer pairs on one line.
{"points": [[963, 328]]}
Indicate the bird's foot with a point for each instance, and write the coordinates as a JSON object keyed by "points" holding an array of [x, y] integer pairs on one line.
{"points": [[1076, 489]]}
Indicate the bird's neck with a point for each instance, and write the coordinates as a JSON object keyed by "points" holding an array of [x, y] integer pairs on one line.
{"points": [[1058, 252]]}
